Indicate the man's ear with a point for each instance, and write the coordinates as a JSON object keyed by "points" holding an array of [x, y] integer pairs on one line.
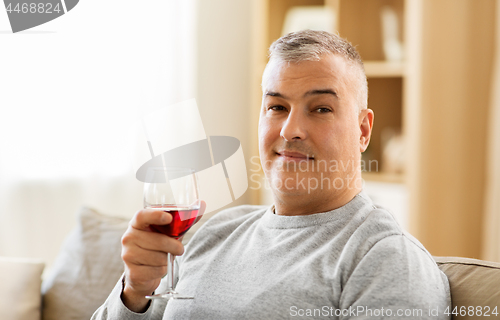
{"points": [[365, 125]]}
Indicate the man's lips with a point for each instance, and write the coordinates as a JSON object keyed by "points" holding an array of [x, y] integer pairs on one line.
{"points": [[293, 156]]}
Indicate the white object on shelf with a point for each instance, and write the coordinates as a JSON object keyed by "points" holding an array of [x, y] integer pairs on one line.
{"points": [[374, 69], [391, 196], [393, 151], [393, 48], [309, 17]]}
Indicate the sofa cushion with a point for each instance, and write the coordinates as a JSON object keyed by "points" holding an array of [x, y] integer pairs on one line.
{"points": [[86, 269], [20, 281], [473, 283]]}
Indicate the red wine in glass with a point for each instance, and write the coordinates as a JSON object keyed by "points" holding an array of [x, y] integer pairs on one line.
{"points": [[173, 190], [183, 220]]}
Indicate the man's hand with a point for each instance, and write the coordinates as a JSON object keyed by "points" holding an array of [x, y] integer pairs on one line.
{"points": [[145, 254]]}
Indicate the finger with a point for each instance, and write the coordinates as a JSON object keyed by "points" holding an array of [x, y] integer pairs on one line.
{"points": [[135, 256], [144, 274], [154, 241], [151, 241], [146, 217]]}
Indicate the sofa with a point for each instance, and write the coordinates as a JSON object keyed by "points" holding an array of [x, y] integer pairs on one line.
{"points": [[89, 265]]}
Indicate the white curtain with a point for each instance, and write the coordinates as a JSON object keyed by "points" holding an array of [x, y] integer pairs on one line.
{"points": [[491, 238], [71, 91]]}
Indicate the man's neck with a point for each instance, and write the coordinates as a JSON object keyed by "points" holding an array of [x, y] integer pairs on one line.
{"points": [[295, 204]]}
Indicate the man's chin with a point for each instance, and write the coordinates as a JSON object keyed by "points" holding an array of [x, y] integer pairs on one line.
{"points": [[296, 183]]}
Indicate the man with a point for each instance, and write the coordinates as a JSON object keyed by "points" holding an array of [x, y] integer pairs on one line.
{"points": [[323, 249]]}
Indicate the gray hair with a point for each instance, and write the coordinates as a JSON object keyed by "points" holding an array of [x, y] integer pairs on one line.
{"points": [[310, 45]]}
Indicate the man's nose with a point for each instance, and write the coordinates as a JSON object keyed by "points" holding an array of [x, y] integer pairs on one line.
{"points": [[294, 128]]}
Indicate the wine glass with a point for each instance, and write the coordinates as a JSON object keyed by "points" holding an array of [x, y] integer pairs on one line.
{"points": [[173, 190]]}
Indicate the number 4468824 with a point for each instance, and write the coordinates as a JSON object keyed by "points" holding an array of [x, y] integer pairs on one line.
{"points": [[33, 8], [471, 311]]}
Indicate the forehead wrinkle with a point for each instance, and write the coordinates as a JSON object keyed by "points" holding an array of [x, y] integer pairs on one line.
{"points": [[344, 77]]}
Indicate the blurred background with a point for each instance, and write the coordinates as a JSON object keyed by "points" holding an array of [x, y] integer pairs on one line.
{"points": [[73, 89]]}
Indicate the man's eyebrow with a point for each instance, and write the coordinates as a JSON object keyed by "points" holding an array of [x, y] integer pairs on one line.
{"points": [[308, 93], [321, 91], [274, 94]]}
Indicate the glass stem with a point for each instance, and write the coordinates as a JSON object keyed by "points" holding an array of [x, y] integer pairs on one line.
{"points": [[170, 271]]}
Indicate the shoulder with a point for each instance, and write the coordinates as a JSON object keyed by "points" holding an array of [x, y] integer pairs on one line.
{"points": [[371, 225], [377, 232], [390, 266]]}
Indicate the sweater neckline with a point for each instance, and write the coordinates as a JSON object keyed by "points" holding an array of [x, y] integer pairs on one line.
{"points": [[274, 221]]}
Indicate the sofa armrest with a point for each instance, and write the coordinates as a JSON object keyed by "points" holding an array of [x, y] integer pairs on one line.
{"points": [[20, 281], [473, 283]]}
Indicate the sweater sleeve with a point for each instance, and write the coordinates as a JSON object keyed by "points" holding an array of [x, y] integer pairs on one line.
{"points": [[114, 309], [396, 278]]}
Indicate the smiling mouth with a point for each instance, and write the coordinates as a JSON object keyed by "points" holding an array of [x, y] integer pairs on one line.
{"points": [[294, 156]]}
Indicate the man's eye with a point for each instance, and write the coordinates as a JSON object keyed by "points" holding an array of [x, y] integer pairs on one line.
{"points": [[276, 108], [323, 110]]}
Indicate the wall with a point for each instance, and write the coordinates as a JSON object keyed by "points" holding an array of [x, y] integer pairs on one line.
{"points": [[223, 64], [457, 57]]}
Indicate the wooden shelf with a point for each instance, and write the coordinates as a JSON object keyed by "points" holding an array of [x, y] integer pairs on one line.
{"points": [[384, 69], [423, 98], [359, 22]]}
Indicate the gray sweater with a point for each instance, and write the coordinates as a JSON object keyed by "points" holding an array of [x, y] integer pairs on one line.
{"points": [[352, 262]]}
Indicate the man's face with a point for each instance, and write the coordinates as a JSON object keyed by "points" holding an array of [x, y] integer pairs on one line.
{"points": [[311, 132]]}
